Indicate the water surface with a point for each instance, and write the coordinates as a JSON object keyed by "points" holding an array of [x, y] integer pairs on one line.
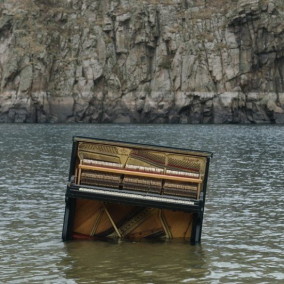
{"points": [[242, 240]]}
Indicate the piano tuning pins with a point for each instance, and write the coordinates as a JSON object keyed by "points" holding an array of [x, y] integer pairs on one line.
{"points": [[131, 167], [179, 173], [128, 167], [101, 163], [143, 169]]}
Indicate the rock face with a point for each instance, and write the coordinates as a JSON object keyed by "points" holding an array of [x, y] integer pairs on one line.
{"points": [[154, 61]]}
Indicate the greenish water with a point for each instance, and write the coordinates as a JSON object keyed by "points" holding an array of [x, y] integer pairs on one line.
{"points": [[242, 240]]}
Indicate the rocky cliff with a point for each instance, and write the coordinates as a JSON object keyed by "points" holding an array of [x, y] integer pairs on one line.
{"points": [[156, 61]]}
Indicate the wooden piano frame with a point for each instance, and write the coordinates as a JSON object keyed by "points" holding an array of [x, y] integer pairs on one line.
{"points": [[127, 190]]}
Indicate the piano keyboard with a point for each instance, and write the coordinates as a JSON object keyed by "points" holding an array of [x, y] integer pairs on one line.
{"points": [[137, 196]]}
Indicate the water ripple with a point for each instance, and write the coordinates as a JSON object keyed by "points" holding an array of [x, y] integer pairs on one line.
{"points": [[242, 239]]}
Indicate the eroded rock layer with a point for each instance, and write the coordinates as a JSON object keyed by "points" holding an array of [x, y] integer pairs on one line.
{"points": [[167, 61]]}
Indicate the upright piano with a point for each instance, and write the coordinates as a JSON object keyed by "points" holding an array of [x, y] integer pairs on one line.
{"points": [[127, 190]]}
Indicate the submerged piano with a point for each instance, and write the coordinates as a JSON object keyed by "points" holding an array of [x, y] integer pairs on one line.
{"points": [[126, 190]]}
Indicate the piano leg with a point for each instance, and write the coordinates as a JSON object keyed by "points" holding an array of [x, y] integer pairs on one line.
{"points": [[69, 217], [196, 228]]}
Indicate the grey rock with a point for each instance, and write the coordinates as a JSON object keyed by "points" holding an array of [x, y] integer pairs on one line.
{"points": [[142, 61]]}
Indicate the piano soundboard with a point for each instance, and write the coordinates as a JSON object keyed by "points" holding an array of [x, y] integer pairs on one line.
{"points": [[118, 178]]}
